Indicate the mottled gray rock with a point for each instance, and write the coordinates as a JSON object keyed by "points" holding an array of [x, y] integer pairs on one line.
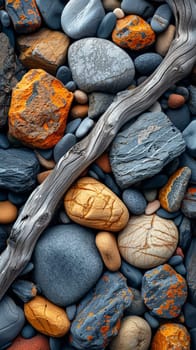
{"points": [[190, 264], [192, 99], [99, 65], [161, 18], [98, 103], [19, 168], [144, 147], [135, 201]]}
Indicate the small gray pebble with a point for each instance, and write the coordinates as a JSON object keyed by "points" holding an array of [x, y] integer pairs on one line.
{"points": [[28, 331], [71, 86], [175, 260], [5, 18], [161, 18], [135, 201], [63, 73], [106, 26], [109, 182], [91, 173], [84, 127], [72, 126], [153, 322], [150, 195], [4, 142], [71, 311], [180, 269], [137, 306], [67, 141], [166, 215], [146, 63], [64, 218], [100, 173]]}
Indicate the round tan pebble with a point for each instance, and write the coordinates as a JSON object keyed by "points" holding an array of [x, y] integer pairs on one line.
{"points": [[8, 212], [119, 13], [43, 175], [90, 203], [171, 336], [46, 317], [110, 5], [148, 241], [134, 334], [152, 207], [176, 101], [79, 111], [104, 163], [80, 97], [38, 342], [108, 249], [47, 164], [164, 40]]}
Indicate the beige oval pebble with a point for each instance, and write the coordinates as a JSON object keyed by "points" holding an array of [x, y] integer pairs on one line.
{"points": [[152, 207], [8, 212], [164, 40], [108, 249], [43, 175], [134, 334], [80, 97], [110, 5], [79, 111], [90, 203], [46, 317], [119, 13], [148, 241]]}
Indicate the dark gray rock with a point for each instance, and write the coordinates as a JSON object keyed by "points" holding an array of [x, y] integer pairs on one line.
{"points": [[81, 19], [137, 306], [187, 160], [134, 200], [180, 117], [192, 99], [106, 26], [132, 274], [140, 7], [100, 311], [63, 146], [4, 18], [51, 12], [190, 264], [185, 233], [146, 63], [193, 338], [66, 263], [64, 74], [144, 147], [98, 103], [99, 65], [28, 331], [189, 134], [4, 142], [19, 168], [153, 322], [190, 315], [188, 207], [3, 239], [161, 18], [166, 214]]}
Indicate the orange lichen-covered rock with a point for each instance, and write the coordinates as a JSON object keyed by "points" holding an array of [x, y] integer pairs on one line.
{"points": [[37, 342], [90, 203], [171, 336], [39, 109], [46, 317], [132, 32]]}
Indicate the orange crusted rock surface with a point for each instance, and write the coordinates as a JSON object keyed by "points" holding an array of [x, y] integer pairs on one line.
{"points": [[171, 336]]}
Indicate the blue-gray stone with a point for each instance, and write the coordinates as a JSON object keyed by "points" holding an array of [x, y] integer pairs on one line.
{"points": [[137, 306], [28, 331], [182, 90], [98, 171], [153, 322], [189, 134], [188, 206], [71, 311], [84, 127], [10, 34], [5, 18], [161, 18], [81, 19], [11, 320], [175, 260], [51, 12], [3, 239], [55, 343], [156, 181], [109, 182], [189, 311], [193, 338], [64, 218], [91, 173], [178, 220], [167, 215], [139, 7], [146, 63], [24, 289], [135, 201], [73, 125], [190, 263], [106, 26], [17, 198], [3, 195], [144, 148], [180, 269], [100, 65], [180, 117], [28, 268], [71, 86], [63, 73], [132, 274], [187, 160], [185, 234], [172, 166], [67, 141], [192, 99], [46, 153], [66, 263], [100, 311], [98, 103], [4, 142], [19, 168]]}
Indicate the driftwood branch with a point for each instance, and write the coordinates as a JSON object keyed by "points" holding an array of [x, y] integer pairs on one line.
{"points": [[43, 201]]}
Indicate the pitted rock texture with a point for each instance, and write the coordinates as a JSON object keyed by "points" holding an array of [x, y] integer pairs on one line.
{"points": [[39, 109], [90, 203], [37, 342], [148, 241], [144, 147], [164, 291], [171, 336], [99, 65], [99, 313]]}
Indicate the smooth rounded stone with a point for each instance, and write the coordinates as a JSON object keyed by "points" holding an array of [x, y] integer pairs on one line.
{"points": [[85, 126], [3, 195], [70, 250], [105, 67], [98, 103], [134, 200], [79, 111], [137, 307], [155, 182], [180, 269], [24, 289], [19, 168], [71, 86], [71, 311], [175, 260], [55, 343], [193, 337], [180, 117], [46, 153], [28, 331], [37, 342], [80, 97], [188, 207], [72, 126], [3, 239], [5, 18], [63, 146], [100, 173], [144, 148], [64, 218], [152, 207], [106, 26], [63, 73], [171, 336], [110, 5], [161, 18], [156, 107], [187, 160], [150, 194], [119, 13], [8, 212], [90, 203], [185, 234], [11, 320], [192, 99], [147, 241], [81, 19], [51, 12], [108, 249], [99, 312], [178, 220], [166, 215], [17, 198], [146, 63], [189, 135], [139, 7], [190, 263], [134, 334], [152, 321], [109, 182], [176, 101], [132, 274], [183, 91]]}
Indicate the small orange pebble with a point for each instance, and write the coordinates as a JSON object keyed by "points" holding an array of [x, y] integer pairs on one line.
{"points": [[107, 245], [8, 212], [104, 163], [79, 111], [132, 32], [179, 252], [42, 176], [171, 336], [191, 190], [176, 101]]}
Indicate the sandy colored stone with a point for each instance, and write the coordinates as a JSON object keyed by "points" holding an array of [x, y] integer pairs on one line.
{"points": [[43, 175], [38, 342], [79, 111], [46, 317], [45, 49], [80, 97], [104, 162], [171, 336], [148, 241], [164, 39], [39, 109], [152, 207], [176, 101], [8, 212], [90, 203], [134, 334], [108, 249], [119, 13], [132, 32]]}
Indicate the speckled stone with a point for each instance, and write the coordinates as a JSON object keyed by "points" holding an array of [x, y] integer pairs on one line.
{"points": [[146, 63], [105, 67], [190, 264], [164, 291], [171, 336], [98, 103], [99, 313], [134, 200], [148, 241]]}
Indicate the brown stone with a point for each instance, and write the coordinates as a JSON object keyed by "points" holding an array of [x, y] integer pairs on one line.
{"points": [[45, 49], [110, 5], [171, 336], [39, 109], [176, 101], [108, 249], [164, 40], [104, 162], [79, 111], [8, 212], [43, 175], [38, 342]]}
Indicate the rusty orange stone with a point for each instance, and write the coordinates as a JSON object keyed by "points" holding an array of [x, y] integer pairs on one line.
{"points": [[176, 101], [104, 163], [171, 336], [39, 109], [132, 32]]}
